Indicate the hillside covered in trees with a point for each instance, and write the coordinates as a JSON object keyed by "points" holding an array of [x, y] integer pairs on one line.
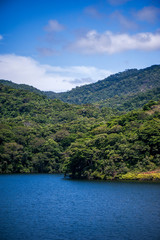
{"points": [[126, 144], [122, 92], [40, 135], [35, 130], [124, 85]]}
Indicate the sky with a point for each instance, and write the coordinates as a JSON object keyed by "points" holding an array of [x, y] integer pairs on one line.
{"points": [[57, 45]]}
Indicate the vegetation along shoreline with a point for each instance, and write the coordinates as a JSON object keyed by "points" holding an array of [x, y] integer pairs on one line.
{"points": [[117, 138]]}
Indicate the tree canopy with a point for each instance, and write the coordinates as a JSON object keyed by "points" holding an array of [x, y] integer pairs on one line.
{"points": [[49, 136]]}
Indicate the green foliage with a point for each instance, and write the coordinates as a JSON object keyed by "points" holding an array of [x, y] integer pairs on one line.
{"points": [[131, 101], [141, 176], [21, 86], [128, 143], [36, 131], [124, 91], [40, 135], [149, 105]]}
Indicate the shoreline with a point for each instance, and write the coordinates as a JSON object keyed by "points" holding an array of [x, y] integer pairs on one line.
{"points": [[150, 177]]}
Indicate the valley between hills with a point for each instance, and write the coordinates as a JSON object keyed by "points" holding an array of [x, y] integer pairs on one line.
{"points": [[108, 130]]}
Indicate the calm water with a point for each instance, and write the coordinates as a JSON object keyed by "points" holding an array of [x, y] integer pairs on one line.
{"points": [[49, 207]]}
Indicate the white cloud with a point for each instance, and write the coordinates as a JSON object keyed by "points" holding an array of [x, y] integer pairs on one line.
{"points": [[149, 14], [109, 43], [53, 26], [1, 37], [20, 69]]}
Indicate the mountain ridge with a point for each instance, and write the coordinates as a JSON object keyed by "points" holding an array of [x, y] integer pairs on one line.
{"points": [[40, 135], [123, 83]]}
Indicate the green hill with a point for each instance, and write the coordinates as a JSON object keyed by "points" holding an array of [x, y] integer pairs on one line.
{"points": [[125, 83], [35, 130], [119, 149], [123, 91], [40, 135], [132, 101], [20, 86]]}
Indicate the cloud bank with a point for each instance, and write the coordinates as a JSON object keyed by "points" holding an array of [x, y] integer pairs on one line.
{"points": [[20, 69], [110, 43]]}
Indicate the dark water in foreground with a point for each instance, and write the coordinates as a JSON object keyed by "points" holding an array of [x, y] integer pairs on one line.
{"points": [[49, 207]]}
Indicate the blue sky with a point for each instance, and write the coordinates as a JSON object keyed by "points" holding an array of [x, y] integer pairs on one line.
{"points": [[58, 45]]}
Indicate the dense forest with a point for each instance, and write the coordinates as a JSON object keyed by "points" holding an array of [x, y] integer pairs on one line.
{"points": [[126, 144], [35, 131], [124, 91], [123, 85], [40, 135], [125, 103]]}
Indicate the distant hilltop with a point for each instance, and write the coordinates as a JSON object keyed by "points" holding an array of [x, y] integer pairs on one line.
{"points": [[120, 87]]}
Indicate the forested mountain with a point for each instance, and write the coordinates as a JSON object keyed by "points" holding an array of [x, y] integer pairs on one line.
{"points": [[120, 148], [21, 86], [123, 91], [125, 83], [35, 130], [125, 103], [83, 141]]}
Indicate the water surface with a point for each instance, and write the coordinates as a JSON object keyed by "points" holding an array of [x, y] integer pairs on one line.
{"points": [[49, 207]]}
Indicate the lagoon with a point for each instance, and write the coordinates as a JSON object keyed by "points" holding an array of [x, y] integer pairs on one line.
{"points": [[49, 207]]}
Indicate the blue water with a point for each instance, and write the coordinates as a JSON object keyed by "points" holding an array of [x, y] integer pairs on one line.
{"points": [[48, 207]]}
